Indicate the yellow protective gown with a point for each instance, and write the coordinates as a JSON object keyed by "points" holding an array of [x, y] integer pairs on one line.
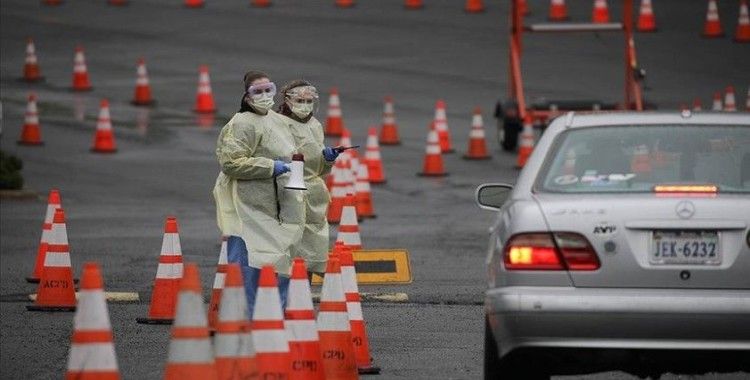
{"points": [[246, 198], [313, 247]]}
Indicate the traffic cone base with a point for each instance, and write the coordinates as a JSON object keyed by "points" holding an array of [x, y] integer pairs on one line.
{"points": [[261, 3], [474, 6], [194, 3], [56, 292], [413, 4]]}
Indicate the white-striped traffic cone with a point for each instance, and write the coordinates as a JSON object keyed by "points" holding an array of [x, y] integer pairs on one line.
{"points": [[440, 123], [304, 342], [221, 272], [348, 231], [269, 335], [53, 202], [233, 341], [56, 290], [373, 158], [168, 276], [729, 101]]}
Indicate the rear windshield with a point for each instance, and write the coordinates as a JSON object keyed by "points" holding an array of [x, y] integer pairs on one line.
{"points": [[636, 158]]}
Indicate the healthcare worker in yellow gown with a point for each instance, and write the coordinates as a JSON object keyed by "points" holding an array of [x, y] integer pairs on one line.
{"points": [[300, 100], [261, 218]]}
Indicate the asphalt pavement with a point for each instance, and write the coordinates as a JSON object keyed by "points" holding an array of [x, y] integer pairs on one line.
{"points": [[116, 204]]}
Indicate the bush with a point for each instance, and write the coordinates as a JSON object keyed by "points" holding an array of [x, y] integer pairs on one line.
{"points": [[10, 172]]}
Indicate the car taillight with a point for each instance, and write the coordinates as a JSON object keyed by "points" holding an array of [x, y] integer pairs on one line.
{"points": [[705, 189], [549, 251]]}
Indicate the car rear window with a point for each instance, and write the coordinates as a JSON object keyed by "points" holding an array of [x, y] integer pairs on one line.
{"points": [[637, 158]]}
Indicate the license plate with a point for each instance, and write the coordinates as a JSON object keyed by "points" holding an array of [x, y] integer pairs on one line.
{"points": [[685, 247]]}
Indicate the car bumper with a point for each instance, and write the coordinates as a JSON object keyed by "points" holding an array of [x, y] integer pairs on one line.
{"points": [[618, 318]]}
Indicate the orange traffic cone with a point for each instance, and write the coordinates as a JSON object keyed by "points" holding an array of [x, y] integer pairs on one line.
{"points": [[346, 138], [260, 3], [524, 7], [364, 195], [269, 336], [344, 3], [697, 105], [53, 202], [56, 290], [641, 162], [221, 272], [31, 134], [372, 157], [304, 342], [600, 14], [474, 6], [233, 342], [526, 145], [441, 126], [142, 95], [558, 11], [729, 103], [742, 33], [194, 3], [646, 20], [334, 122], [354, 308], [333, 325], [204, 99], [92, 349], [477, 143], [389, 130], [348, 231], [712, 27], [104, 138], [338, 190], [51, 2], [413, 4], [31, 71], [118, 2], [80, 72], [168, 276], [433, 160], [190, 353], [717, 105]]}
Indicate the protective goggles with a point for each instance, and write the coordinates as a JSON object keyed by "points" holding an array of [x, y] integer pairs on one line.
{"points": [[302, 94], [261, 89]]}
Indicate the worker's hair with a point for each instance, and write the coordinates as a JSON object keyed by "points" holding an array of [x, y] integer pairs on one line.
{"points": [[248, 79]]}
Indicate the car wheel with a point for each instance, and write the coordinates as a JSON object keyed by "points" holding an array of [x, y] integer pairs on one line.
{"points": [[513, 366]]}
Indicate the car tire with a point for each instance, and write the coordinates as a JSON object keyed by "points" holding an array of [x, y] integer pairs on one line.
{"points": [[510, 367], [492, 368]]}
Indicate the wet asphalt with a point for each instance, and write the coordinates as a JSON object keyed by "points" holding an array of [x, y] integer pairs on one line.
{"points": [[116, 204]]}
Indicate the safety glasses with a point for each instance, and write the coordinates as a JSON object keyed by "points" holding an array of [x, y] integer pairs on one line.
{"points": [[261, 89], [303, 94]]}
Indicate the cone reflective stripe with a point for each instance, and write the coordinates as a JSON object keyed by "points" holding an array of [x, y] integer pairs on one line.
{"points": [[194, 3], [53, 203], [600, 14], [354, 164], [742, 33], [729, 102], [334, 121], [221, 272], [31, 71], [348, 231], [56, 289], [333, 326], [31, 133], [92, 349], [697, 105], [233, 341], [413, 4], [372, 157], [527, 142], [191, 355], [646, 20], [168, 276], [365, 208], [477, 142], [354, 308], [389, 129], [433, 159], [712, 26], [441, 126], [344, 3], [558, 11], [260, 3], [717, 105], [104, 138], [204, 99], [142, 94], [299, 321], [338, 190], [269, 334], [474, 6], [80, 72]]}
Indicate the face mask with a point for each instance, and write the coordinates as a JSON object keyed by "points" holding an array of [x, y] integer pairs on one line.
{"points": [[302, 110], [262, 103]]}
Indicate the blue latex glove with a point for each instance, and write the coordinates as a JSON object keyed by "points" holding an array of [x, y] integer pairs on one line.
{"points": [[280, 167], [330, 154]]}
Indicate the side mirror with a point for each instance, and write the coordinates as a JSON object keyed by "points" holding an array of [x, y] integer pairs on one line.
{"points": [[491, 196]]}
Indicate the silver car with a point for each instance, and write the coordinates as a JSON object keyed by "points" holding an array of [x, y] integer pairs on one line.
{"points": [[626, 231]]}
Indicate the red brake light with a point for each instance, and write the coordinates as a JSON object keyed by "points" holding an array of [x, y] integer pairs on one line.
{"points": [[538, 251], [686, 189]]}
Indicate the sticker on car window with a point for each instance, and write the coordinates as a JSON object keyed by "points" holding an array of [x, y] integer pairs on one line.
{"points": [[567, 179], [591, 177]]}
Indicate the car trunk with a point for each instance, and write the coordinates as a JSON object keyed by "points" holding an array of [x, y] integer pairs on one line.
{"points": [[650, 241]]}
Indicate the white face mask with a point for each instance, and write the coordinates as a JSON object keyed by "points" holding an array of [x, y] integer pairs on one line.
{"points": [[302, 110], [262, 103]]}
